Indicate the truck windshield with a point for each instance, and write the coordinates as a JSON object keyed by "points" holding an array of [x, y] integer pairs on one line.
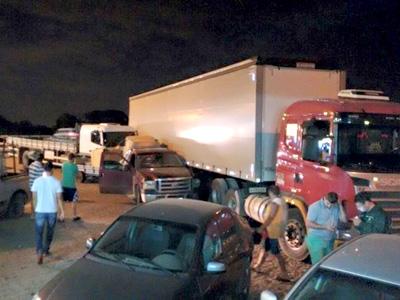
{"points": [[369, 144], [112, 139], [159, 160]]}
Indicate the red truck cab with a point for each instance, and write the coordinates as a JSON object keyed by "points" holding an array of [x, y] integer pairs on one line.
{"points": [[346, 145]]}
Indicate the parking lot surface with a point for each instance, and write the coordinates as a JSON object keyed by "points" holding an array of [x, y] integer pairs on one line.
{"points": [[21, 277]]}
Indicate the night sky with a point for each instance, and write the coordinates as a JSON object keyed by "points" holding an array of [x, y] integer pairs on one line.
{"points": [[74, 57]]}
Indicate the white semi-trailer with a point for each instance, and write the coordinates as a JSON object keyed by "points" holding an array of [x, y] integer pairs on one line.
{"points": [[226, 124], [227, 121]]}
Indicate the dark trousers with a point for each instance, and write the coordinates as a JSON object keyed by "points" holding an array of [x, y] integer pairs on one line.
{"points": [[41, 220]]}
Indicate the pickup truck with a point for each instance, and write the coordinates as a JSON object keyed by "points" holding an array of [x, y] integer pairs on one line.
{"points": [[148, 171], [14, 192]]}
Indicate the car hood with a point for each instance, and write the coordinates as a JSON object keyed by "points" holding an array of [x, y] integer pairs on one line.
{"points": [[154, 173], [90, 278]]}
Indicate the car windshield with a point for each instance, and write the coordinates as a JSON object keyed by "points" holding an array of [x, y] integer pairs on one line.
{"points": [[159, 160], [112, 139], [150, 244], [326, 284], [369, 144]]}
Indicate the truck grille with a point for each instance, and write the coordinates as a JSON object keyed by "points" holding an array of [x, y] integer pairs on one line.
{"points": [[174, 187], [390, 202]]}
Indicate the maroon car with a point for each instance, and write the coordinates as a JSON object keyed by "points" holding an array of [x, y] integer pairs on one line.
{"points": [[167, 249]]}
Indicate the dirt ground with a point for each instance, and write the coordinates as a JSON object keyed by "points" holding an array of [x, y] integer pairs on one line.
{"points": [[21, 277]]}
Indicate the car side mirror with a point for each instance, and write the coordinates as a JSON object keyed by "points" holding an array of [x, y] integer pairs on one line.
{"points": [[216, 267], [89, 243], [268, 295]]}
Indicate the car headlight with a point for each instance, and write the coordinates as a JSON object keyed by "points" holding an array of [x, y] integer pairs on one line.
{"points": [[36, 297], [195, 183], [149, 185]]}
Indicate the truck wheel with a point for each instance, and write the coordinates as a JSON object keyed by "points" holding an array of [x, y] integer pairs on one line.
{"points": [[16, 205], [293, 243], [235, 201], [232, 183], [219, 188]]}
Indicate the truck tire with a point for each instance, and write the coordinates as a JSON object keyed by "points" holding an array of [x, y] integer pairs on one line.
{"points": [[219, 187], [293, 244], [16, 205], [231, 201], [232, 183], [234, 200]]}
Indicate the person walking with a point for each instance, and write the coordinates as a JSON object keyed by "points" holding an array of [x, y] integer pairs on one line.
{"points": [[272, 229], [70, 193], [322, 220], [35, 170], [46, 191], [372, 219]]}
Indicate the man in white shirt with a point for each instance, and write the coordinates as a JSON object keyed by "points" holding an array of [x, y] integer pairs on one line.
{"points": [[46, 191]]}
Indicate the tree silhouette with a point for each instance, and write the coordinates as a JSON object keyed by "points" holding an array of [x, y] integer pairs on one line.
{"points": [[66, 120], [106, 116]]}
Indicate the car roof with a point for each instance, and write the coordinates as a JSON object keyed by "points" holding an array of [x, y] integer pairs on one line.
{"points": [[373, 256], [184, 211]]}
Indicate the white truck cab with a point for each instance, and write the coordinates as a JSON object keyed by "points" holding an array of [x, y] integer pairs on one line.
{"points": [[103, 135]]}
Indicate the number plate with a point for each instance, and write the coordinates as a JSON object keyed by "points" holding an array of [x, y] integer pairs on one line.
{"points": [[257, 190]]}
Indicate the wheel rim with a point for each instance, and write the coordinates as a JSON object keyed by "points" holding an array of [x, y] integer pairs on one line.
{"points": [[232, 204], [214, 196], [294, 234]]}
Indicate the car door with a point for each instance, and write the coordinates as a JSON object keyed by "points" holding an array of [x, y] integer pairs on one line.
{"points": [[115, 173], [3, 197], [235, 261], [314, 174], [287, 158], [210, 284]]}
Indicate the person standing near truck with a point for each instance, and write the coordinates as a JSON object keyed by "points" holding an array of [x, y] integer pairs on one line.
{"points": [[322, 220], [70, 193], [372, 219], [272, 229], [46, 192], [35, 170]]}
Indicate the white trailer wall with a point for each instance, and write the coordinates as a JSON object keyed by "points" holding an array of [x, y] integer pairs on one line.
{"points": [[210, 120], [227, 121]]}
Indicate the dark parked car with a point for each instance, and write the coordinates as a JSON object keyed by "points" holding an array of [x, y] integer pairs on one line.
{"points": [[165, 249]]}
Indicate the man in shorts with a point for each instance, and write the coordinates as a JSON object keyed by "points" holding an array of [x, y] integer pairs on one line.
{"points": [[70, 193], [273, 228]]}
